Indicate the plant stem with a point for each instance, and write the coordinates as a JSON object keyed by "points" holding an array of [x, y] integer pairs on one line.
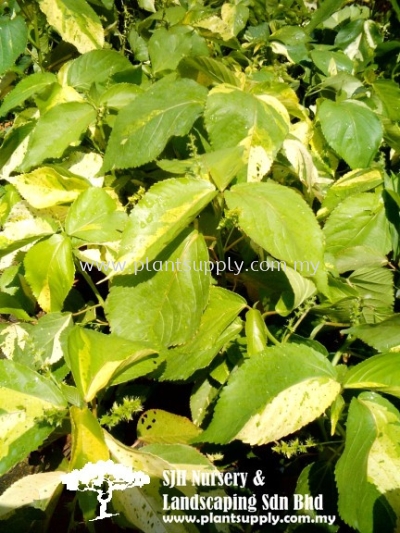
{"points": [[271, 337], [37, 39], [228, 237], [321, 425], [93, 405], [89, 281], [297, 324], [340, 352], [269, 313], [234, 243], [318, 328], [86, 309]]}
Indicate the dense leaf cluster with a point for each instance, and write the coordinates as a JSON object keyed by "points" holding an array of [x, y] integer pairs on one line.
{"points": [[201, 200]]}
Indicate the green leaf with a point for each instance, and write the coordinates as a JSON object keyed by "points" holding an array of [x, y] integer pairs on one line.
{"points": [[60, 126], [94, 218], [25, 397], [108, 4], [14, 148], [330, 63], [352, 130], [183, 456], [235, 16], [301, 289], [155, 459], [138, 45], [356, 257], [353, 182], [143, 367], [259, 123], [95, 67], [83, 164], [164, 211], [367, 472], [336, 411], [49, 336], [143, 507], [46, 187], [35, 491], [213, 333], [8, 198], [359, 220], [218, 28], [256, 333], [23, 228], [391, 133], [342, 83], [20, 436], [316, 479], [359, 39], [158, 426], [76, 22], [95, 357], [264, 402], [49, 270], [204, 393], [12, 282], [302, 163], [257, 34], [163, 304], [23, 381], [168, 46], [16, 344], [215, 70], [224, 165], [13, 40], [286, 96], [383, 336], [25, 89], [389, 93], [380, 373], [375, 287], [147, 5], [143, 128], [136, 458], [120, 95], [274, 217], [291, 41], [324, 11], [11, 305], [88, 443]]}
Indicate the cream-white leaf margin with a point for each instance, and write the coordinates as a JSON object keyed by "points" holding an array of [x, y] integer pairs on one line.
{"points": [[260, 159], [383, 468], [273, 394], [35, 490], [163, 212], [291, 410], [76, 22], [45, 187]]}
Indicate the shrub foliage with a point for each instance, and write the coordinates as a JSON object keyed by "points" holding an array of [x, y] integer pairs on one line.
{"points": [[199, 249]]}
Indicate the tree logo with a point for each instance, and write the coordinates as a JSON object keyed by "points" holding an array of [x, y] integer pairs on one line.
{"points": [[104, 477]]}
